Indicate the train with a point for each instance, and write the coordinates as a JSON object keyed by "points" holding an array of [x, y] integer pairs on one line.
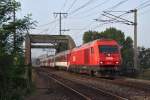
{"points": [[101, 56]]}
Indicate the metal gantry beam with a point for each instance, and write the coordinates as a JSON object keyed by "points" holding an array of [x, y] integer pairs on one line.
{"points": [[42, 46]]}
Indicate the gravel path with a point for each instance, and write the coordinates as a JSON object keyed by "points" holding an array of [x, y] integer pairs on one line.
{"points": [[47, 89]]}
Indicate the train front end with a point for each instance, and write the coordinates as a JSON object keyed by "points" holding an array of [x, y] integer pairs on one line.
{"points": [[109, 56]]}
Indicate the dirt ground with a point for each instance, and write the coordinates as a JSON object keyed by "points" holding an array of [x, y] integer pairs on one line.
{"points": [[47, 89]]}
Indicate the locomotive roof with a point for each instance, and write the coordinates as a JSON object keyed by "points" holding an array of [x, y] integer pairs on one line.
{"points": [[86, 45]]}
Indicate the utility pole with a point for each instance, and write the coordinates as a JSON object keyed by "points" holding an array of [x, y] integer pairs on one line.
{"points": [[60, 19], [135, 39]]}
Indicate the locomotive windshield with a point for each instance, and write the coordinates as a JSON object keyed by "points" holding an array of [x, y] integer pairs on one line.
{"points": [[108, 49]]}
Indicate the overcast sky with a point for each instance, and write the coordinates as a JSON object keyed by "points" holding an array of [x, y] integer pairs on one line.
{"points": [[81, 14]]}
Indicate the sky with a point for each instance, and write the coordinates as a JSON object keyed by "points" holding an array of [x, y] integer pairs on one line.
{"points": [[81, 15]]}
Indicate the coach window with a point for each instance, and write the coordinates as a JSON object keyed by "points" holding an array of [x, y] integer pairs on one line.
{"points": [[92, 50]]}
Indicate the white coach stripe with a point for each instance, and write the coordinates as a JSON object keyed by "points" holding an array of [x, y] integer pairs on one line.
{"points": [[64, 64]]}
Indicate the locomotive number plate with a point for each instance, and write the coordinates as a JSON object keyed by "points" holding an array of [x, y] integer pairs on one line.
{"points": [[109, 58]]}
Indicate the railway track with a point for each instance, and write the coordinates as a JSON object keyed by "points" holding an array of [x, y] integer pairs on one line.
{"points": [[121, 81], [85, 91]]}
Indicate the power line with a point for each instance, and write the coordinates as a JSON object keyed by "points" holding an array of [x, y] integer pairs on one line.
{"points": [[92, 8], [102, 24], [53, 28], [48, 23], [138, 7], [118, 4], [145, 12], [44, 30], [144, 6], [64, 5], [81, 7], [71, 5], [55, 19], [84, 28]]}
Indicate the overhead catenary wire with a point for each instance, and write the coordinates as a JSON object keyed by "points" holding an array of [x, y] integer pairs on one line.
{"points": [[118, 4], [91, 9], [52, 22], [142, 4], [117, 19], [108, 9], [44, 31], [53, 28], [102, 24], [73, 3], [81, 7], [63, 6], [145, 12], [115, 6], [96, 6]]}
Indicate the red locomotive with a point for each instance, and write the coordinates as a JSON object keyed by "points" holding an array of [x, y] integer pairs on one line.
{"points": [[99, 56]]}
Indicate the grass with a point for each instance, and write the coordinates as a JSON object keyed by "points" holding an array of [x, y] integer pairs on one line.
{"points": [[145, 74]]}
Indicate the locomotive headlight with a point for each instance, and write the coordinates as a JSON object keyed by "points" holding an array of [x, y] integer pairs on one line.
{"points": [[117, 62], [101, 62]]}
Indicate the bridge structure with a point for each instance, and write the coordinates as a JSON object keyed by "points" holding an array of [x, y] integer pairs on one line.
{"points": [[51, 41]]}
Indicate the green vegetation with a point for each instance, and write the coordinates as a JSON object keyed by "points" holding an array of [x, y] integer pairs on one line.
{"points": [[61, 47], [127, 47], [13, 84], [144, 57], [145, 74]]}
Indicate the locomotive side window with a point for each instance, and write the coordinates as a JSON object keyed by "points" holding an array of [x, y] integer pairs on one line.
{"points": [[108, 49]]}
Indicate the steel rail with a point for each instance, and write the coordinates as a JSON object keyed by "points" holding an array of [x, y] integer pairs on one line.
{"points": [[59, 82], [109, 93], [84, 96]]}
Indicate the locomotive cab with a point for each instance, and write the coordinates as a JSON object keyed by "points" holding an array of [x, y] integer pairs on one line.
{"points": [[109, 55]]}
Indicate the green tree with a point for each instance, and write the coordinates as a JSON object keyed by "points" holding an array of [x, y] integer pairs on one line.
{"points": [[113, 33], [144, 57], [12, 68], [90, 36], [127, 53]]}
